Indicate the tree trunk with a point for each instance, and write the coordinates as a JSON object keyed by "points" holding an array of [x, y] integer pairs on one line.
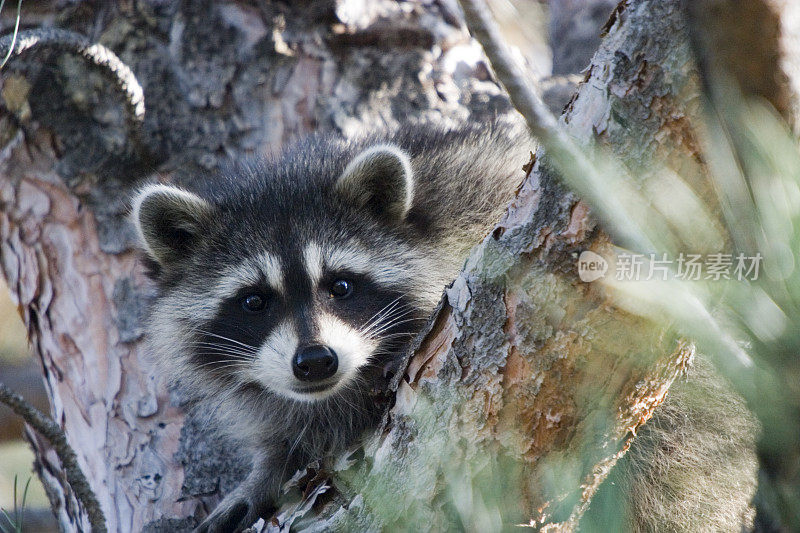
{"points": [[526, 375]]}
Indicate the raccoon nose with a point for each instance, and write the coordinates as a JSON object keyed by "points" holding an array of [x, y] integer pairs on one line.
{"points": [[314, 363]]}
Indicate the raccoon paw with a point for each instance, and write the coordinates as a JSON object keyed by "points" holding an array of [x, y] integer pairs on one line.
{"points": [[236, 513]]}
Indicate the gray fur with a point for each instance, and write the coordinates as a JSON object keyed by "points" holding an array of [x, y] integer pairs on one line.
{"points": [[692, 467]]}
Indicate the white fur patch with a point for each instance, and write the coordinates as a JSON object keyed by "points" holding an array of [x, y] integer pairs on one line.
{"points": [[353, 258], [352, 348], [272, 366], [394, 265], [250, 272], [362, 262], [273, 271], [313, 262]]}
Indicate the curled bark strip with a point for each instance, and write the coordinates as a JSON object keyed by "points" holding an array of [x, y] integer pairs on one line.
{"points": [[98, 55]]}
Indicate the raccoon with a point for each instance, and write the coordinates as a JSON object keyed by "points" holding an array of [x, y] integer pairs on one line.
{"points": [[291, 288]]}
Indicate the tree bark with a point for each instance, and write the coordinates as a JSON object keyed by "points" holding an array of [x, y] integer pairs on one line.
{"points": [[526, 376]]}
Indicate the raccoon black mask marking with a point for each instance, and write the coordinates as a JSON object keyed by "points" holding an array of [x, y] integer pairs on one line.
{"points": [[289, 289]]}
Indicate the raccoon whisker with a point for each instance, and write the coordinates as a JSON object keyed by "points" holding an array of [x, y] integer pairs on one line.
{"points": [[394, 316], [221, 366], [389, 317], [227, 357], [220, 363], [343, 398], [367, 321], [225, 350], [388, 314], [224, 343], [223, 346], [395, 306], [236, 360], [375, 334], [229, 343], [396, 321], [398, 334], [220, 348], [262, 395], [227, 339], [296, 442], [271, 349]]}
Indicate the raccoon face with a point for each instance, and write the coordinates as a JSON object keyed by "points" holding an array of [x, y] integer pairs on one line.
{"points": [[304, 291]]}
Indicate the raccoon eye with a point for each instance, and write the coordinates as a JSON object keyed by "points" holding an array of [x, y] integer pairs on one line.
{"points": [[341, 288], [254, 303]]}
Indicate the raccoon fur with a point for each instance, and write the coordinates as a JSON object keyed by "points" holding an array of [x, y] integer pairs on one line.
{"points": [[290, 288]]}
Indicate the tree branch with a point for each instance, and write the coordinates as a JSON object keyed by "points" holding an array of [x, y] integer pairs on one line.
{"points": [[47, 428], [485, 30], [96, 54], [576, 165]]}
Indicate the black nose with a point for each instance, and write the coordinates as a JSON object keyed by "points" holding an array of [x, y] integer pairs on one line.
{"points": [[314, 363]]}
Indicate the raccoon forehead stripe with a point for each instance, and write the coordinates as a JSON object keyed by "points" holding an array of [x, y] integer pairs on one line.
{"points": [[386, 270], [252, 271], [312, 257]]}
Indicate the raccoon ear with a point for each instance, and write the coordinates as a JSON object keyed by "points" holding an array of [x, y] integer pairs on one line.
{"points": [[381, 179], [169, 221]]}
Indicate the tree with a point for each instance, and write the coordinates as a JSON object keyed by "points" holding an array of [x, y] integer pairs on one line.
{"points": [[227, 80]]}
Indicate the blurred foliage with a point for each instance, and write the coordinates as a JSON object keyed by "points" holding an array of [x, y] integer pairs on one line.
{"points": [[750, 328], [15, 518], [16, 457], [16, 463]]}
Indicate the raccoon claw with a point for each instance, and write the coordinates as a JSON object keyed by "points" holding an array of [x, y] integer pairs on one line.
{"points": [[235, 516]]}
